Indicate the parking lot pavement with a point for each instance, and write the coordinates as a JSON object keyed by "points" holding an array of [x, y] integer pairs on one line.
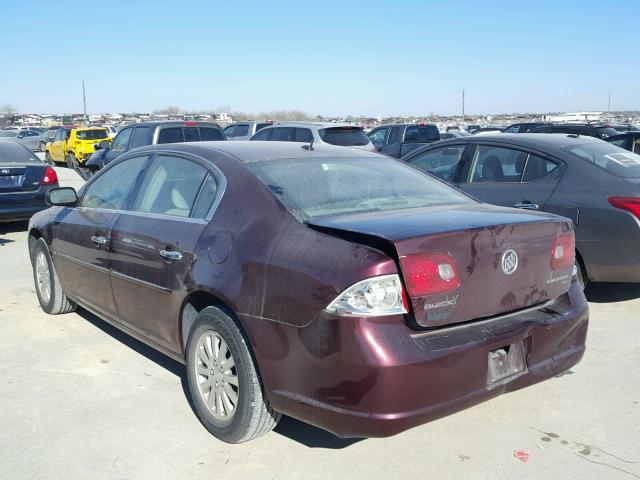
{"points": [[66, 176], [81, 400]]}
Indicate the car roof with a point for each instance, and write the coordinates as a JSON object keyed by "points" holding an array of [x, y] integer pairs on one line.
{"points": [[541, 141], [407, 125], [257, 151], [314, 124], [155, 123]]}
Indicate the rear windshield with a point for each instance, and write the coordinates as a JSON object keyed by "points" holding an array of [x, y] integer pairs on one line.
{"points": [[606, 131], [12, 152], [260, 126], [421, 134], [92, 134], [613, 159], [341, 186], [207, 133], [344, 136]]}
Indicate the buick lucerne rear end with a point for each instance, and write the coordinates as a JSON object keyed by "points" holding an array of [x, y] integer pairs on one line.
{"points": [[339, 287]]}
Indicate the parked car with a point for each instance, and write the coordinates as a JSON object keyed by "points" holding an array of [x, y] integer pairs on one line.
{"points": [[592, 182], [28, 138], [625, 127], [523, 127], [472, 128], [333, 285], [399, 139], [111, 130], [244, 130], [629, 141], [344, 135], [453, 134], [588, 129], [24, 182], [150, 133], [74, 146], [487, 130]]}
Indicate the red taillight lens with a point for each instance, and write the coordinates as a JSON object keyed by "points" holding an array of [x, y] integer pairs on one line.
{"points": [[429, 274], [629, 204], [50, 177], [563, 251]]}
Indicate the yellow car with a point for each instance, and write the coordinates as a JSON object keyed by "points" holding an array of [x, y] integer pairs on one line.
{"points": [[74, 146]]}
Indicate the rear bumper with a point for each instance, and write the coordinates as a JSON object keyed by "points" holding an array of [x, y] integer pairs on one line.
{"points": [[374, 378], [21, 206]]}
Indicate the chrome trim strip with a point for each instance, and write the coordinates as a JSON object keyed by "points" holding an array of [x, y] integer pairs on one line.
{"points": [[143, 283], [82, 263]]}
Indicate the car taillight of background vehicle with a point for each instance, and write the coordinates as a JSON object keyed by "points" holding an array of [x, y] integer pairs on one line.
{"points": [[430, 273], [630, 204], [373, 297], [563, 251], [50, 177], [191, 124]]}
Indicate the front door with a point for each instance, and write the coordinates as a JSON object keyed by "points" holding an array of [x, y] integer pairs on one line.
{"points": [[153, 245], [82, 235]]}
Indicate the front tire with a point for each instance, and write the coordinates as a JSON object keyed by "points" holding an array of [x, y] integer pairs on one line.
{"points": [[223, 381], [48, 289]]}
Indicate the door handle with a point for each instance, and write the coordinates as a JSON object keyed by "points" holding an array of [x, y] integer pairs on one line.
{"points": [[171, 255], [527, 206], [99, 241]]}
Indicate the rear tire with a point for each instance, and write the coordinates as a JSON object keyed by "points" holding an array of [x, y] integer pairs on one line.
{"points": [[47, 158], [42, 147], [226, 390], [48, 289], [581, 274]]}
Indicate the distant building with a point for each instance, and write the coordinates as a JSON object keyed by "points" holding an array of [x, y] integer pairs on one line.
{"points": [[574, 117]]}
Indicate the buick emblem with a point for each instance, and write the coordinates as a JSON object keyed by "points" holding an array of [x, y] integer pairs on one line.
{"points": [[509, 261]]}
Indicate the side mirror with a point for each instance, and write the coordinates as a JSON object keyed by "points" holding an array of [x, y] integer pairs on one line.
{"points": [[103, 145], [62, 197]]}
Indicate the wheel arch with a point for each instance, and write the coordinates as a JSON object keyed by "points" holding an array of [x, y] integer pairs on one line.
{"points": [[34, 236]]}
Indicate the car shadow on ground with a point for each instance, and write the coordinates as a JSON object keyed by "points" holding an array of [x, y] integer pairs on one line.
{"points": [[612, 292], [298, 431]]}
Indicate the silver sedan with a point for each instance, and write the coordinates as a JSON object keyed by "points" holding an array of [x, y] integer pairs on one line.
{"points": [[29, 138]]}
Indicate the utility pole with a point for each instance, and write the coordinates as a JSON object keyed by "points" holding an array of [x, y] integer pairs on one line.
{"points": [[609, 107], [462, 105], [84, 103]]}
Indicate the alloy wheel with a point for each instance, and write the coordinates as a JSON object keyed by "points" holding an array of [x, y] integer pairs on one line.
{"points": [[43, 277], [217, 375]]}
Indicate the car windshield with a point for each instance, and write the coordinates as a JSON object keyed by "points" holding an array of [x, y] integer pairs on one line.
{"points": [[613, 159], [9, 133], [344, 136], [343, 186], [92, 134]]}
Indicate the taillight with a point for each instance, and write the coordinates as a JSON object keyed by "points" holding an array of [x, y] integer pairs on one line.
{"points": [[630, 204], [431, 273], [563, 251], [372, 297], [50, 177], [191, 124]]}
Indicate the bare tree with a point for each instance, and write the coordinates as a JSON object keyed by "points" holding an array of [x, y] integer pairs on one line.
{"points": [[169, 110]]}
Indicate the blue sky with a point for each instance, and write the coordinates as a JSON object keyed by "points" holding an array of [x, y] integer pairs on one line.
{"points": [[330, 57]]}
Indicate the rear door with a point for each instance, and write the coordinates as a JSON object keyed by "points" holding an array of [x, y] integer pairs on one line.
{"points": [[378, 136], [153, 244], [511, 177], [120, 145], [82, 234]]}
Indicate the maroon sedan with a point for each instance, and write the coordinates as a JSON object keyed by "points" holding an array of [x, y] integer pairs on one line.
{"points": [[340, 287]]}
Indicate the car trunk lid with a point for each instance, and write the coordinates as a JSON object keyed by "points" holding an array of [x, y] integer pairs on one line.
{"points": [[481, 240], [20, 178]]}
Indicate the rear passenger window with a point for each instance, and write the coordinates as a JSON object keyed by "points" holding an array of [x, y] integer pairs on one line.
{"points": [[537, 167], [229, 131], [440, 162], [394, 135], [303, 135], [497, 164], [205, 198], [141, 137], [170, 135], [170, 186], [112, 189], [210, 134]]}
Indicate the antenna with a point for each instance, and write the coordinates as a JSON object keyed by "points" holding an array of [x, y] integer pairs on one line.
{"points": [[310, 146], [84, 103]]}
